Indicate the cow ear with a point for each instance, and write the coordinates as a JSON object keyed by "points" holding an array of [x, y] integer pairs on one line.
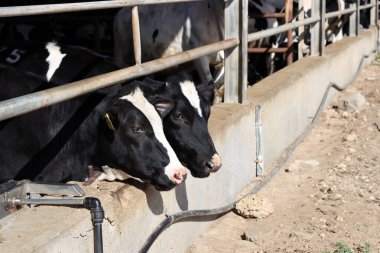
{"points": [[163, 106], [206, 91]]}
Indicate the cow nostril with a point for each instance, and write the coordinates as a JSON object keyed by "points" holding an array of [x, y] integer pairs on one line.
{"points": [[179, 176], [210, 165]]}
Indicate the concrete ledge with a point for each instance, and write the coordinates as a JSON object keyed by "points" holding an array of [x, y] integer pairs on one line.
{"points": [[288, 98]]}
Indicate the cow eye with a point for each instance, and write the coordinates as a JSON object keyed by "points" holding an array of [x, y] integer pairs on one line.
{"points": [[178, 115], [137, 130]]}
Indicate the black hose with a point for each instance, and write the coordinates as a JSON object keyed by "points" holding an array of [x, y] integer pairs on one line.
{"points": [[97, 216], [170, 219]]}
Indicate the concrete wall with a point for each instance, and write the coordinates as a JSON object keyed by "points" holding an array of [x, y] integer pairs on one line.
{"points": [[289, 99]]}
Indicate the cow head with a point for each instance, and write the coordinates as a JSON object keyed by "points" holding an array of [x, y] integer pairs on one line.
{"points": [[134, 140], [185, 126]]}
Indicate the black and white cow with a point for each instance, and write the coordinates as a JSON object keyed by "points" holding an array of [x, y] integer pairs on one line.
{"points": [[167, 29], [186, 125], [102, 129]]}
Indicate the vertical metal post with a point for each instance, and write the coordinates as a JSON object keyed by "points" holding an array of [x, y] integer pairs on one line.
{"points": [[288, 19], [322, 33], [376, 11], [315, 29], [357, 18], [136, 34], [373, 13], [352, 21], [260, 170], [243, 51], [301, 29], [231, 63]]}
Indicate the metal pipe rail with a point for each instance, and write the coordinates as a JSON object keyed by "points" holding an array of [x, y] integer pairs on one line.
{"points": [[37, 100], [348, 11], [342, 12], [282, 28], [366, 6], [268, 50], [268, 15], [30, 10]]}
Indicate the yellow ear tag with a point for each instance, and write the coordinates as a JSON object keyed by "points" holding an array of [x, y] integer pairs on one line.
{"points": [[109, 122]]}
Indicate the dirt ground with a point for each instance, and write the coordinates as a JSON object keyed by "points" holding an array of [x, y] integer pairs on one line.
{"points": [[328, 191]]}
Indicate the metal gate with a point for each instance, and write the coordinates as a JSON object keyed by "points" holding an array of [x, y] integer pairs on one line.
{"points": [[234, 45]]}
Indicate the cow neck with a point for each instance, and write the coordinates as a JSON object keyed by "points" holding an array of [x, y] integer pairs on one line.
{"points": [[45, 155]]}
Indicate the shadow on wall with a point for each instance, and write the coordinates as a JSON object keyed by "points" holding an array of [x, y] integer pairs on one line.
{"points": [[154, 198]]}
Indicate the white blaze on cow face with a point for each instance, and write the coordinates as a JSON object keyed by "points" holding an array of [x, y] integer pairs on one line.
{"points": [[188, 89], [54, 59], [174, 170]]}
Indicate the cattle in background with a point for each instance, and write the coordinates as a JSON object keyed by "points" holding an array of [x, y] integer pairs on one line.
{"points": [[263, 64], [57, 143], [90, 29], [334, 27], [365, 15], [167, 29]]}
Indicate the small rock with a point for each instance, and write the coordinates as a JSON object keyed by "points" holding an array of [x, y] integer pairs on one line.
{"points": [[341, 165], [351, 150], [331, 113], [335, 197], [312, 163], [254, 206], [297, 163], [348, 158], [345, 114], [322, 235], [371, 78], [252, 235], [339, 218], [351, 137], [352, 102], [371, 198]]}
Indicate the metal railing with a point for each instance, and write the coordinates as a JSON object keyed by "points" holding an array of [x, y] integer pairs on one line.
{"points": [[234, 45], [73, 7]]}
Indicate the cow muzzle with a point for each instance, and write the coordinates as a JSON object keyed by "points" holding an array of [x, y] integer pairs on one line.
{"points": [[214, 164], [178, 175]]}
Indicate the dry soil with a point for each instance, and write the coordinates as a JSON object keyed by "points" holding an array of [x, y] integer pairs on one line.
{"points": [[327, 192]]}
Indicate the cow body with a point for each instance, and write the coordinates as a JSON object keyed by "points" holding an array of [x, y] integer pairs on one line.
{"points": [[167, 29]]}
